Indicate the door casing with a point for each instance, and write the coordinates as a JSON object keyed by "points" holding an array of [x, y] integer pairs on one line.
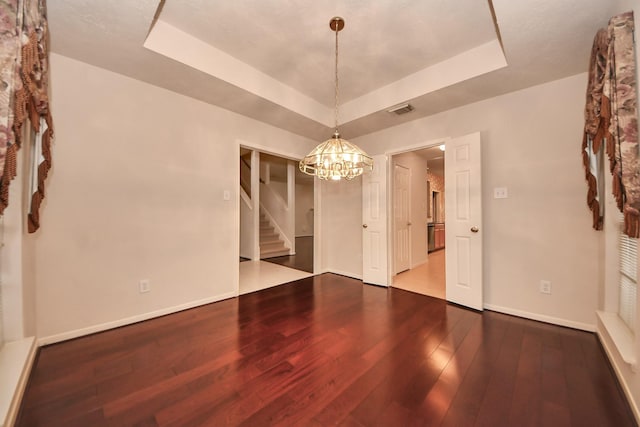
{"points": [[389, 154]]}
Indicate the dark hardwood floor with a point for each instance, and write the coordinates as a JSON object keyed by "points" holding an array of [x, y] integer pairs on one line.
{"points": [[302, 260], [327, 350]]}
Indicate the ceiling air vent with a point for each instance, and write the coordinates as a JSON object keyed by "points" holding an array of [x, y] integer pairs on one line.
{"points": [[401, 109]]}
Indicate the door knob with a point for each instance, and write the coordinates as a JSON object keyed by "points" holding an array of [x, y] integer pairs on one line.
{"points": [[364, 225], [408, 223], [474, 229]]}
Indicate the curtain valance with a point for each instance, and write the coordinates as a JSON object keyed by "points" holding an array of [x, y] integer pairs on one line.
{"points": [[24, 88], [611, 120]]}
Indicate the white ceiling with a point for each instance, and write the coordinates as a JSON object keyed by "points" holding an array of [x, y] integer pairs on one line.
{"points": [[273, 60], [291, 41]]}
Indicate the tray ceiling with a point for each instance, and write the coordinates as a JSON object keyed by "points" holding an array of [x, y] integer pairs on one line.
{"points": [[273, 60]]}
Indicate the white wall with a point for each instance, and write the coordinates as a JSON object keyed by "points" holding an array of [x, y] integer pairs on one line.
{"points": [[11, 254], [247, 238], [341, 227], [17, 277], [531, 145], [280, 188], [304, 208], [137, 193], [418, 167], [247, 204]]}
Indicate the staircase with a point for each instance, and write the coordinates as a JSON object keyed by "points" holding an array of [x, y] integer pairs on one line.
{"points": [[270, 243]]}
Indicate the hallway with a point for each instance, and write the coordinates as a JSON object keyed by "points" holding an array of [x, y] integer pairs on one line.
{"points": [[426, 279]]}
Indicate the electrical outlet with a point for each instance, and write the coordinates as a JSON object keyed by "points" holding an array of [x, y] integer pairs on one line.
{"points": [[545, 287], [500, 193], [144, 286]]}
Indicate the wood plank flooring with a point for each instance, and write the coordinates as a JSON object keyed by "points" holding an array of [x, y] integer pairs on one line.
{"points": [[322, 351]]}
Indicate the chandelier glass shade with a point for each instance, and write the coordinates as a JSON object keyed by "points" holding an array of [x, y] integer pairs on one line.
{"points": [[336, 158]]}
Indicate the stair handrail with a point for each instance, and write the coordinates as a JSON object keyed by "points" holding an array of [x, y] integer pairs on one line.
{"points": [[243, 182], [246, 199]]}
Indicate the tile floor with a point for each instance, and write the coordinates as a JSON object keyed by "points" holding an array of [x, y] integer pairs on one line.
{"points": [[258, 275], [426, 279]]}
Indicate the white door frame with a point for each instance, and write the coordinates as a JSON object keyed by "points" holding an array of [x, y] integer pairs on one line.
{"points": [[317, 226], [390, 153]]}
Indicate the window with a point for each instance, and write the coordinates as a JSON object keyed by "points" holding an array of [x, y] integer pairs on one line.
{"points": [[627, 251]]}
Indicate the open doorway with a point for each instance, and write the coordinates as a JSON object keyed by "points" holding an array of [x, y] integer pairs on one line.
{"points": [[276, 221], [302, 257], [418, 221]]}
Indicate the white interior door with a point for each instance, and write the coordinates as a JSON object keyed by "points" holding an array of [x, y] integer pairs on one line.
{"points": [[463, 210], [374, 223], [401, 218]]}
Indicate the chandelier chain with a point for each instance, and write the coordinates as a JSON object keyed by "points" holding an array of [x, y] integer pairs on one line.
{"points": [[336, 158], [336, 88]]}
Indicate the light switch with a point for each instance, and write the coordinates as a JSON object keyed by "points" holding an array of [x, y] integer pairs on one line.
{"points": [[500, 193], [226, 195]]}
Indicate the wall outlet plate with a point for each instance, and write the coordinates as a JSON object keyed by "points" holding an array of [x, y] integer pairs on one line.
{"points": [[545, 287], [500, 193], [144, 286]]}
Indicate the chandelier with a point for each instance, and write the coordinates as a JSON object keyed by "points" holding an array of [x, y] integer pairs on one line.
{"points": [[336, 158]]}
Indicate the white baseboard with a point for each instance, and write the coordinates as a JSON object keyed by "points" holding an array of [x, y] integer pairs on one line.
{"points": [[51, 339], [16, 360], [348, 274], [616, 368], [344, 273], [542, 318]]}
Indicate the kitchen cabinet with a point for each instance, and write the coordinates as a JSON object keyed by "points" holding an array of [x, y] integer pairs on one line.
{"points": [[439, 236], [435, 236]]}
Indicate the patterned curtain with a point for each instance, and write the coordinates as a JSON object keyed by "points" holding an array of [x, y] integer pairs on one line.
{"points": [[611, 120], [24, 81]]}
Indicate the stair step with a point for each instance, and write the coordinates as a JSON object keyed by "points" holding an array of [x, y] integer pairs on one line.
{"points": [[269, 239], [270, 243], [275, 244], [274, 253]]}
